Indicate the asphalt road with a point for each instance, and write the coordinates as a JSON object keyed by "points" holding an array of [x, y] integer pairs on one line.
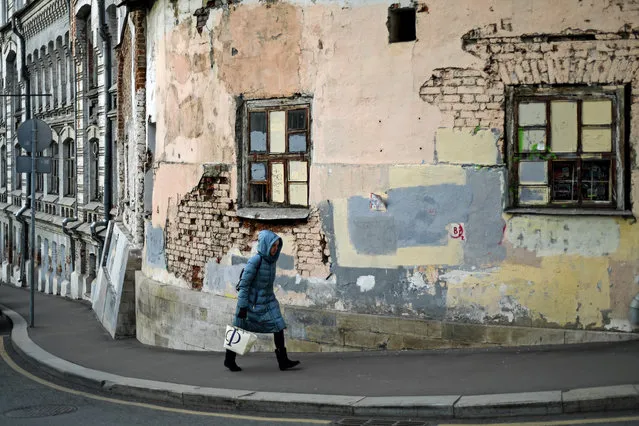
{"points": [[25, 401], [30, 397]]}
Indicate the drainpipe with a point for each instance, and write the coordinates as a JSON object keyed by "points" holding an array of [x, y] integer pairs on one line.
{"points": [[108, 134], [27, 106], [96, 237], [72, 246], [75, 131]]}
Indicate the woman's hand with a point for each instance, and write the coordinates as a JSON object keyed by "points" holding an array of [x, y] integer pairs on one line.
{"points": [[242, 313]]}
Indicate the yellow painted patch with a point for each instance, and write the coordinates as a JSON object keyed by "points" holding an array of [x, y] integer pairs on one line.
{"points": [[464, 147], [628, 249], [564, 126], [277, 131], [277, 182], [425, 175], [561, 289], [597, 140], [597, 112], [451, 254], [298, 171]]}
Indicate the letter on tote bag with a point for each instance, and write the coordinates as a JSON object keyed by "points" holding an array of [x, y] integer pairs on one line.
{"points": [[238, 340]]}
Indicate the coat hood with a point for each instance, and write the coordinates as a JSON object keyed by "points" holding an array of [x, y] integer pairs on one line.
{"points": [[265, 241]]}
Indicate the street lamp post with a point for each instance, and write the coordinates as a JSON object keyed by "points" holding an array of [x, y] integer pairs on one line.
{"points": [[34, 135]]}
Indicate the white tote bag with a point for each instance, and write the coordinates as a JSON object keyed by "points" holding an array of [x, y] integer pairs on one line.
{"points": [[238, 340]]}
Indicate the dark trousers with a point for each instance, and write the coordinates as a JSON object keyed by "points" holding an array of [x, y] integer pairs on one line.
{"points": [[278, 338]]}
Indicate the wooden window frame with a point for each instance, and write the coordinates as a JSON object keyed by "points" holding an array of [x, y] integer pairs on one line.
{"points": [[54, 176], [248, 157], [619, 191]]}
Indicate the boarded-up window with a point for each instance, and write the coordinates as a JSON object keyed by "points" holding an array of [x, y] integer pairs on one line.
{"points": [[566, 147], [277, 149]]}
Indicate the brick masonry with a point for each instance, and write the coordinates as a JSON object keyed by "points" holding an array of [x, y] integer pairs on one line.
{"points": [[132, 125], [469, 98], [207, 227]]}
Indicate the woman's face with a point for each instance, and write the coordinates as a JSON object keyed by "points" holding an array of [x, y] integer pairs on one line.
{"points": [[275, 247]]}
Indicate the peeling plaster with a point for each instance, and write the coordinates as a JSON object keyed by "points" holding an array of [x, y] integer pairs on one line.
{"points": [[366, 283]]}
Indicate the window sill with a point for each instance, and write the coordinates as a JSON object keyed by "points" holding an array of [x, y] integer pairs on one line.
{"points": [[66, 201], [266, 213], [569, 212], [50, 198]]}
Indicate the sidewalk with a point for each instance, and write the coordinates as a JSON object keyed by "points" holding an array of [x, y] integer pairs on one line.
{"points": [[446, 383]]}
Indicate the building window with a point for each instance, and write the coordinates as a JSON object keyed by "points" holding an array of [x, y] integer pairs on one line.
{"points": [[69, 167], [94, 151], [17, 176], [54, 176], [39, 178], [277, 145], [566, 148], [3, 166], [401, 24]]}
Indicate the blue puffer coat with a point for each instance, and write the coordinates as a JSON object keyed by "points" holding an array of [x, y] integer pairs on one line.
{"points": [[256, 289]]}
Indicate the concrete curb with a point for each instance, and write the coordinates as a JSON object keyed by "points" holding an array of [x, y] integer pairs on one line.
{"points": [[610, 398]]}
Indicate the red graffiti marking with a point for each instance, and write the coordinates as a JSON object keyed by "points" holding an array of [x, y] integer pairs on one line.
{"points": [[458, 232]]}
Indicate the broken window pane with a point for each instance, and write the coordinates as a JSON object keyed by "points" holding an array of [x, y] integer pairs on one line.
{"points": [[258, 132], [595, 180], [533, 172], [564, 185], [277, 182], [277, 131], [298, 194], [563, 120], [297, 171], [597, 112], [258, 171], [532, 114], [531, 195], [596, 140], [258, 193], [297, 119], [532, 140], [297, 142]]}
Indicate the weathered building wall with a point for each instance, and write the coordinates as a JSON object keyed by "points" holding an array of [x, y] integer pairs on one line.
{"points": [[422, 124]]}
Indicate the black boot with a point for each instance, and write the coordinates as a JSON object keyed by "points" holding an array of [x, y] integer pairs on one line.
{"points": [[229, 361], [283, 361]]}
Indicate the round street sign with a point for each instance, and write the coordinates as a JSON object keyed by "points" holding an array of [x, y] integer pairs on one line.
{"points": [[43, 136]]}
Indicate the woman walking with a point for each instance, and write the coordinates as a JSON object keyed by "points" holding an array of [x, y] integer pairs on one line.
{"points": [[257, 309]]}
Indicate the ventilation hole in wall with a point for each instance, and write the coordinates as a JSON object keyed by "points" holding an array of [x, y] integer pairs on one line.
{"points": [[401, 24]]}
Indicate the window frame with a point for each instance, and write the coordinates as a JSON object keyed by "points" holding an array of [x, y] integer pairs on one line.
{"points": [[94, 167], [247, 157], [3, 165], [619, 150], [53, 186], [69, 171]]}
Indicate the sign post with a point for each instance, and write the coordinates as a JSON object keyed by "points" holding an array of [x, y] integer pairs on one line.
{"points": [[34, 136]]}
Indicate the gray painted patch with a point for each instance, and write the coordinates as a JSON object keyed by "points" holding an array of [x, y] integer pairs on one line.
{"points": [[155, 254], [218, 277], [238, 260], [422, 213], [533, 172], [415, 216], [485, 225], [371, 232], [286, 262]]}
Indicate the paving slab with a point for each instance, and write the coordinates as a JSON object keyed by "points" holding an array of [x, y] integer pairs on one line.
{"points": [[407, 406], [511, 404], [605, 398]]}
